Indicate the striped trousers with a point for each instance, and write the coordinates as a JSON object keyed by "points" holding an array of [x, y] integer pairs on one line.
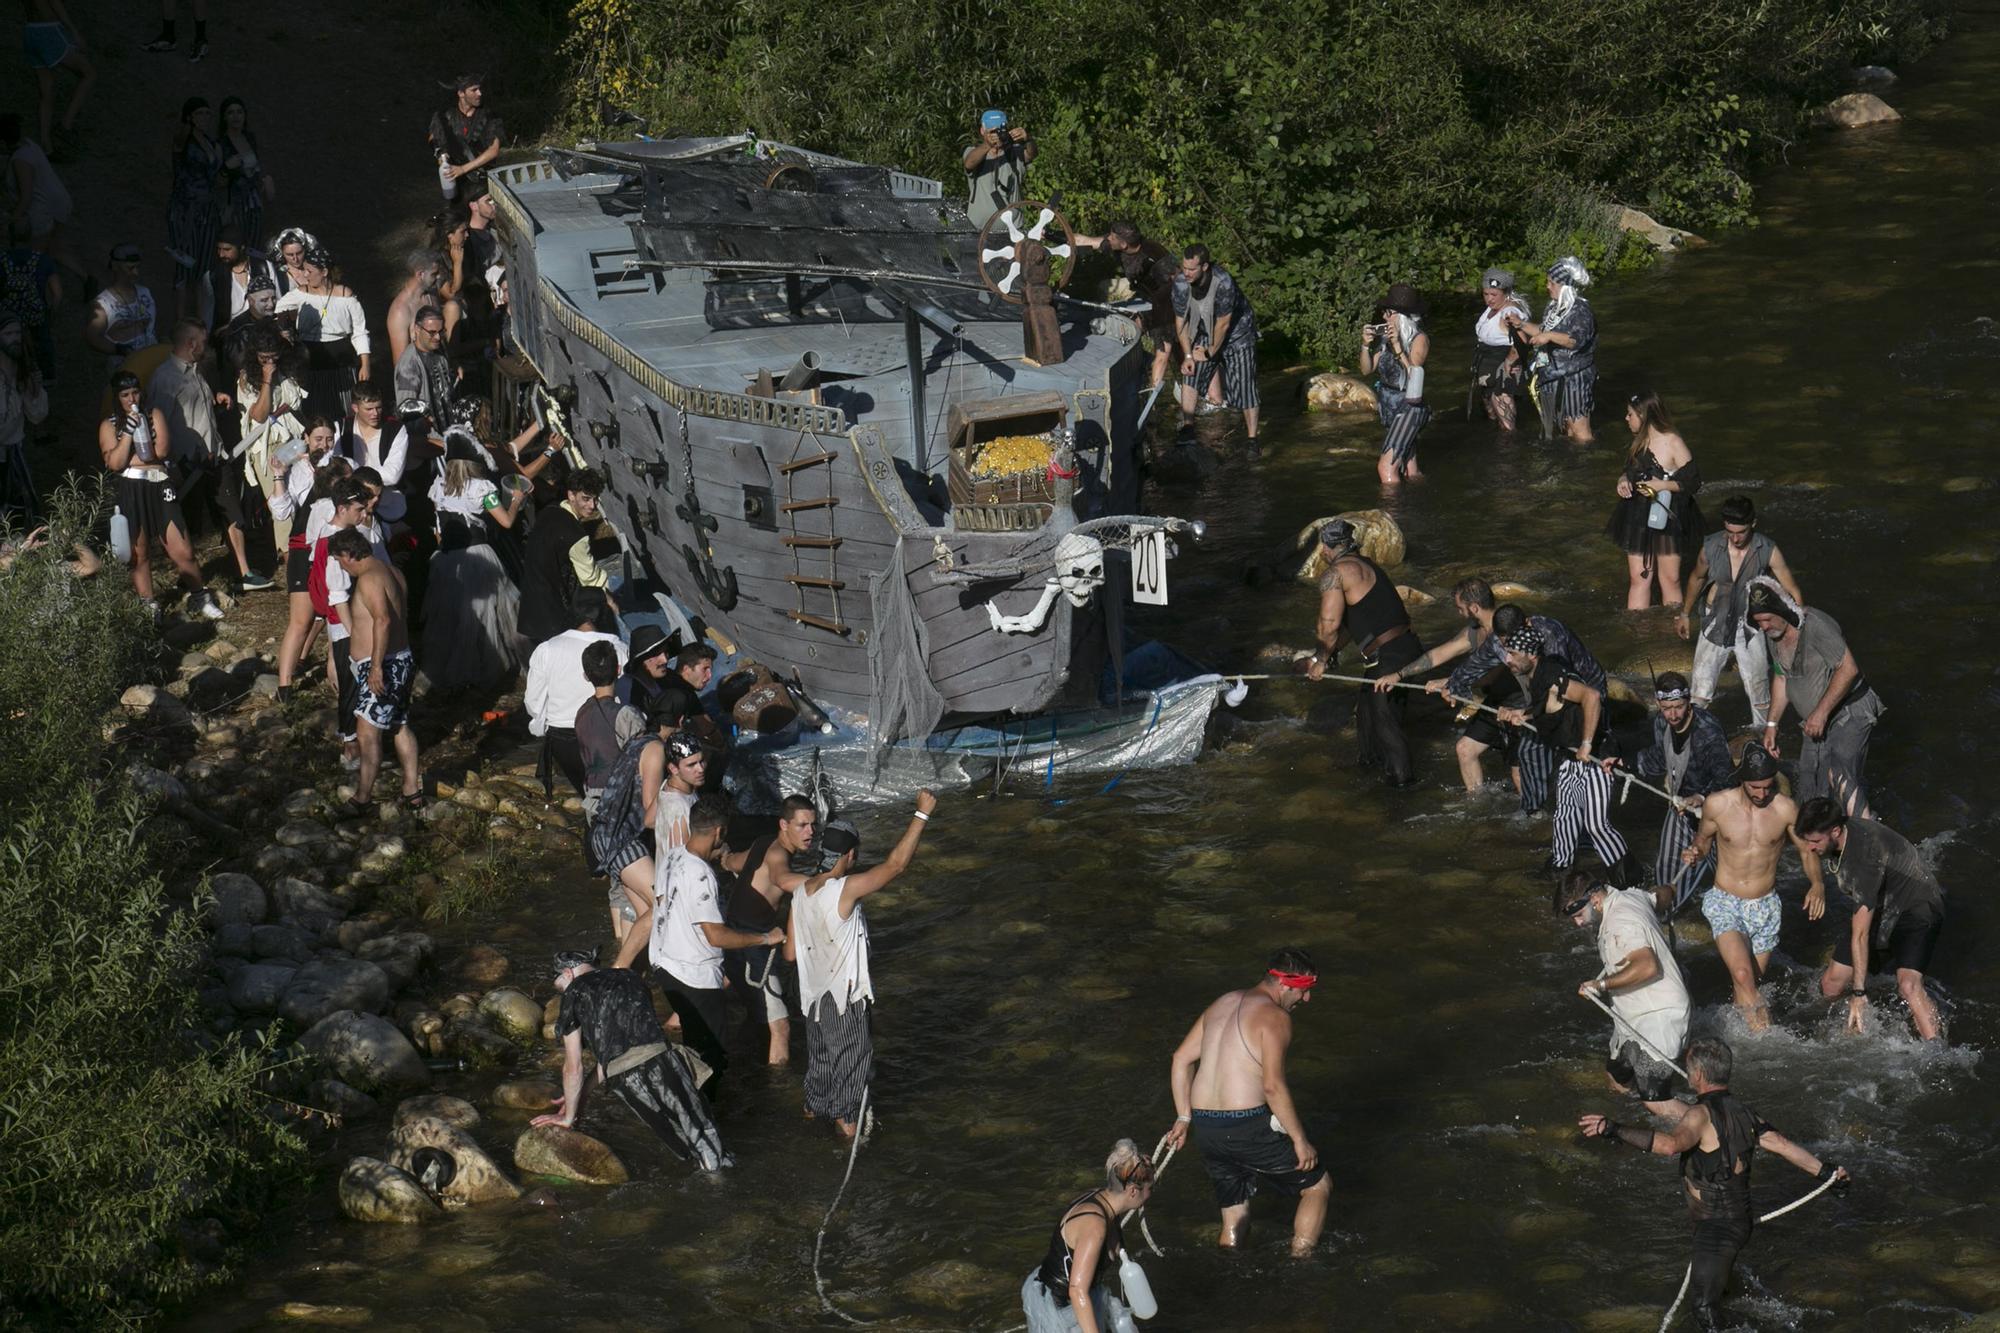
{"points": [[1583, 807], [1537, 763], [1399, 441], [1676, 836], [1237, 363]]}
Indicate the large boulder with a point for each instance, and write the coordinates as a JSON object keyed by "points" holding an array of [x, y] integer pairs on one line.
{"points": [[239, 901], [475, 1178], [529, 1094], [551, 1150], [1657, 234], [1329, 392], [1854, 110], [1381, 541], [371, 1190], [258, 988], [400, 956], [453, 1111], [513, 1013], [304, 902], [326, 985], [367, 1052]]}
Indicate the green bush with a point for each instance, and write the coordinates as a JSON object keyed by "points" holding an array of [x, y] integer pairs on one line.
{"points": [[1322, 151], [123, 1126]]}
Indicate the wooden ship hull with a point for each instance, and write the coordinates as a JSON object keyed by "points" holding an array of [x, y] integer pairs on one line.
{"points": [[782, 378]]}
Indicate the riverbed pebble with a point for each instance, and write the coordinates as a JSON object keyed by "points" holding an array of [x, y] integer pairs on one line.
{"points": [[372, 1190], [238, 899], [330, 1094], [367, 1051], [551, 1150], [512, 1012], [476, 1178], [453, 1111], [482, 965], [327, 985]]}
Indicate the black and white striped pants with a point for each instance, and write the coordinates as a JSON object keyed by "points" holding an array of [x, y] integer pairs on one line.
{"points": [[1570, 398], [1238, 365], [1399, 441], [1676, 836], [1583, 806], [1537, 765]]}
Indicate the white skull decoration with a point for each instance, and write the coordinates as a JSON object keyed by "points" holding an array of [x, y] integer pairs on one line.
{"points": [[1079, 562]]}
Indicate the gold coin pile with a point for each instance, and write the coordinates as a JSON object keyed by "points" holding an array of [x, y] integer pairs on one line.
{"points": [[1009, 454]]}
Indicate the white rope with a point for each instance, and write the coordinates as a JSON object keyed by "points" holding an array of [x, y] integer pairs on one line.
{"points": [[1775, 1213], [1619, 1019], [819, 1241], [1159, 1169]]}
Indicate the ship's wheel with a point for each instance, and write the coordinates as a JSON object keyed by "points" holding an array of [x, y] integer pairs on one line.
{"points": [[1022, 224]]}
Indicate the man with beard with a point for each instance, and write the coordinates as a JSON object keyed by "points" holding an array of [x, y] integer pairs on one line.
{"points": [[1818, 676], [1567, 715], [1149, 269], [1689, 756], [1898, 911], [1217, 333], [223, 293], [1638, 979], [1748, 825], [1358, 604], [1730, 561]]}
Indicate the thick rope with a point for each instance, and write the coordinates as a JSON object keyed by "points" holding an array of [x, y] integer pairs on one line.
{"points": [[819, 1241], [1159, 1169], [1775, 1213], [1619, 1019]]}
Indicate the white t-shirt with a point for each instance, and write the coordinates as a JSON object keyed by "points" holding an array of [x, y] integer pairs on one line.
{"points": [[1659, 1009], [833, 953], [685, 898], [670, 818]]}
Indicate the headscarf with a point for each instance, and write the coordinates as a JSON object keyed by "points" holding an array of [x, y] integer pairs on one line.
{"points": [[1570, 277], [1524, 640], [293, 236], [1337, 533]]}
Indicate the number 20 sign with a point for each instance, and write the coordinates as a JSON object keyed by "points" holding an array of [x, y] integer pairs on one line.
{"points": [[1149, 568]]}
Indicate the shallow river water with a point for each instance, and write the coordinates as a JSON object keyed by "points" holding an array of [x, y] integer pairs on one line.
{"points": [[1838, 362]]}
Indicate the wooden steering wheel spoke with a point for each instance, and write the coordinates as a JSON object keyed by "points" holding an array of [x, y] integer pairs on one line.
{"points": [[1001, 264]]}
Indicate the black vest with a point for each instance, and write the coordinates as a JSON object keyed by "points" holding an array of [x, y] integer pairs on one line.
{"points": [[550, 582]]}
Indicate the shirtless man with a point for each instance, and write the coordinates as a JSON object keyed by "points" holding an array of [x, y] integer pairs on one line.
{"points": [[1359, 604], [1747, 825], [1229, 1089], [764, 875], [383, 666], [426, 272]]}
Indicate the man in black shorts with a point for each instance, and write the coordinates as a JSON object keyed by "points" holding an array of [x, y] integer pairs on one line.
{"points": [[1898, 909], [1359, 604], [611, 1011], [1230, 1092]]}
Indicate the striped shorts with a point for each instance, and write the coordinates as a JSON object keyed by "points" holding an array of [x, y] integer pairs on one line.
{"points": [[1238, 364], [1570, 398], [1404, 425]]}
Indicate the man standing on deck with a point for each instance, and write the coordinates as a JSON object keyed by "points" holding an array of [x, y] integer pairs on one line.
{"points": [[1731, 560], [1230, 1094], [1747, 825], [1689, 756], [828, 938], [1359, 604], [1715, 1139], [996, 167], [1530, 763], [763, 878], [611, 1011], [1898, 910], [1639, 979], [1818, 676], [1566, 714]]}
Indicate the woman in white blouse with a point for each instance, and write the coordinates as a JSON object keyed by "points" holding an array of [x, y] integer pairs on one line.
{"points": [[470, 604], [332, 331], [291, 500]]}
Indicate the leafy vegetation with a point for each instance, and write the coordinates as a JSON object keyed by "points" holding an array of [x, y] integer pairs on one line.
{"points": [[1321, 150], [130, 1135]]}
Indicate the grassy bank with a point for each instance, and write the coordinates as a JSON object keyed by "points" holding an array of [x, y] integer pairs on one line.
{"points": [[135, 1141], [1322, 150]]}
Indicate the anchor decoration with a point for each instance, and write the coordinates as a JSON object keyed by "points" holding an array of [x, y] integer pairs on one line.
{"points": [[1079, 572], [1031, 278], [717, 584]]}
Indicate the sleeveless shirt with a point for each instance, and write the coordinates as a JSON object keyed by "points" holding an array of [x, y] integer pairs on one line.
{"points": [[1054, 1271]]}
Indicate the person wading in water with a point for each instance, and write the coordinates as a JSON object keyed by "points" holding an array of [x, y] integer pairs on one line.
{"points": [[1230, 1092], [1075, 1288], [1715, 1140], [1359, 604], [1747, 825]]}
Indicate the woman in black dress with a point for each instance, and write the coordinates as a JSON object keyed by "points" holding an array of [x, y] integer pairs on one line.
{"points": [[1656, 521]]}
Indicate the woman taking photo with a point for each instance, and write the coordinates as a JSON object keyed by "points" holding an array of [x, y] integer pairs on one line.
{"points": [[1656, 521], [1076, 1289], [1496, 356], [332, 332], [133, 443], [470, 605], [1394, 351]]}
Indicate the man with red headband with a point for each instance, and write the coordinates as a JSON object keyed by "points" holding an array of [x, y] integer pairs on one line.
{"points": [[1230, 1094]]}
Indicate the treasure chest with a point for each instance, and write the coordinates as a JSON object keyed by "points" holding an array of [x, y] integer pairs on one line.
{"points": [[1010, 461]]}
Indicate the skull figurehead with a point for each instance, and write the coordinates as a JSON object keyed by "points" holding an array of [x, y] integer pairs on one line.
{"points": [[1079, 562]]}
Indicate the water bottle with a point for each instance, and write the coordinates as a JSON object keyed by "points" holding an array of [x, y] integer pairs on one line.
{"points": [[1138, 1291], [121, 536], [445, 180]]}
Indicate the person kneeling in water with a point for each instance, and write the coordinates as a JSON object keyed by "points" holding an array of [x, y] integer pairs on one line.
{"points": [[1073, 1291], [611, 1011], [1229, 1089]]}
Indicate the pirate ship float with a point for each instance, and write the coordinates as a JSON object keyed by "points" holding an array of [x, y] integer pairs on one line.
{"points": [[878, 449]]}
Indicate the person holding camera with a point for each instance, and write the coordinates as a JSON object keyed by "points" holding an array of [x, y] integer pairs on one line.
{"points": [[996, 167], [1394, 351]]}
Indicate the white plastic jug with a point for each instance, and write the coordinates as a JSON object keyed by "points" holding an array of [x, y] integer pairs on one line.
{"points": [[445, 180], [121, 536], [1138, 1291]]}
